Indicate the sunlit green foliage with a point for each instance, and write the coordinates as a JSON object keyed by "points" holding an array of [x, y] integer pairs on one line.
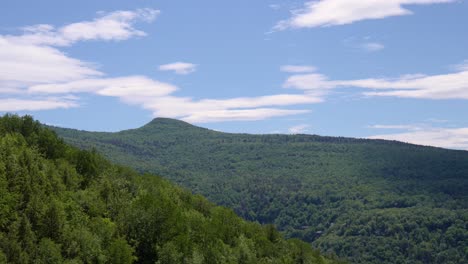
{"points": [[370, 201], [59, 204]]}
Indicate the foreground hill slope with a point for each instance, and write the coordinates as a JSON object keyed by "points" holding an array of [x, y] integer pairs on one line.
{"points": [[371, 201], [59, 204]]}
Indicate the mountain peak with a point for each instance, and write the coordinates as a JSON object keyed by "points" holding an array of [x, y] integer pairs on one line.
{"points": [[164, 121], [164, 124]]}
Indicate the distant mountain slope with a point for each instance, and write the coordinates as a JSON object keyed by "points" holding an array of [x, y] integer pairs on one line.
{"points": [[372, 201], [59, 204]]}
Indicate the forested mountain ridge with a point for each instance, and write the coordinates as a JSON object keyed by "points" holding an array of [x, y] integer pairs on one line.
{"points": [[59, 204], [371, 201]]}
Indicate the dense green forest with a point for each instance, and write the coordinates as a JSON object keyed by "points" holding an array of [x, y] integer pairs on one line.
{"points": [[370, 201], [59, 204]]}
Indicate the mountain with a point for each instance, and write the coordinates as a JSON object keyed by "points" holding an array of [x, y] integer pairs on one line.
{"points": [[59, 204], [370, 201]]}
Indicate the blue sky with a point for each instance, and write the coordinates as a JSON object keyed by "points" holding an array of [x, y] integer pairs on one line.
{"points": [[393, 69]]}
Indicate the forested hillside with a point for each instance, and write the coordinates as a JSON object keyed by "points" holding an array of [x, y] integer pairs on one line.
{"points": [[59, 204], [370, 201]]}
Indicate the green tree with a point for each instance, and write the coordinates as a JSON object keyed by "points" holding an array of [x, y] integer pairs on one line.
{"points": [[120, 252]]}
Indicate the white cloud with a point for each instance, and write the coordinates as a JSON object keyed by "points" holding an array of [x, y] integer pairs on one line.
{"points": [[363, 44], [13, 105], [261, 101], [397, 127], [208, 110], [123, 87], [441, 86], [314, 84], [297, 68], [313, 81], [299, 129], [340, 12], [182, 68], [239, 115], [373, 46], [25, 64], [454, 138], [117, 25]]}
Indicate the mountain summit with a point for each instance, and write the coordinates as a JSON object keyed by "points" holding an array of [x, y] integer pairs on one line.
{"points": [[166, 126], [167, 123]]}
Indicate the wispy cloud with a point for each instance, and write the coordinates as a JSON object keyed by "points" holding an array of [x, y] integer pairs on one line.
{"points": [[454, 138], [340, 12], [182, 68], [117, 25], [233, 109], [297, 68], [314, 84], [13, 105], [442, 86], [372, 46], [366, 44], [397, 127], [123, 87], [239, 115], [299, 129]]}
